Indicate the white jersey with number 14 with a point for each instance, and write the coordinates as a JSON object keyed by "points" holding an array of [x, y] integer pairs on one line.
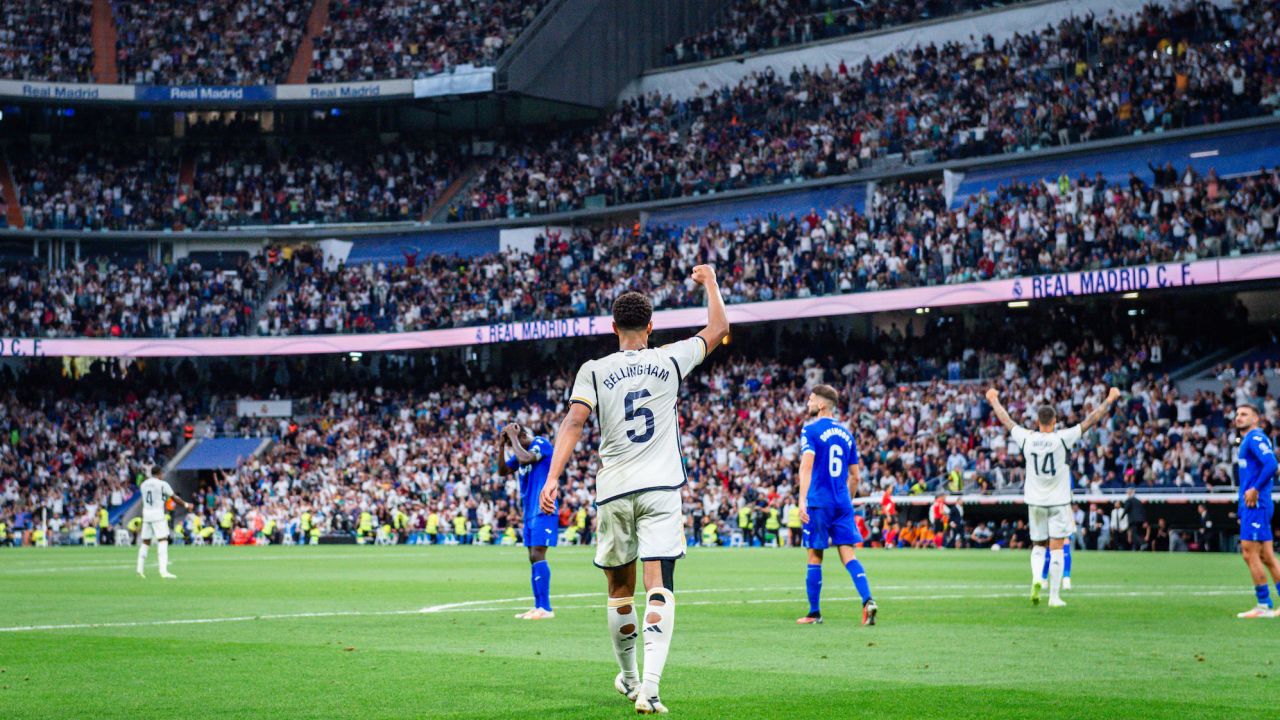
{"points": [[1048, 459]]}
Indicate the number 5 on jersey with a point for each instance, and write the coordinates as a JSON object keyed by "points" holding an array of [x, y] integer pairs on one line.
{"points": [[635, 413]]}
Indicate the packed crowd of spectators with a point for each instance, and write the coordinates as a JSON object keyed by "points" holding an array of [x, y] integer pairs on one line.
{"points": [[63, 459], [906, 237], [322, 183], [107, 298], [751, 26], [1085, 79], [47, 41], [407, 443], [129, 186], [109, 186], [366, 40], [188, 42]]}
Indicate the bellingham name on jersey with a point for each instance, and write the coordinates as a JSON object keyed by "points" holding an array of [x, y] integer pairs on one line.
{"points": [[834, 451], [630, 371]]}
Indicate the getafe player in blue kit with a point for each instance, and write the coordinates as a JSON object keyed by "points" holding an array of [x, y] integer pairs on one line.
{"points": [[1257, 463], [531, 458], [829, 476]]}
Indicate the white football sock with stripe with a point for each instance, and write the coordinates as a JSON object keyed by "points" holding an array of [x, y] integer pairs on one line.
{"points": [[624, 633], [1055, 573], [142, 556], [1037, 562], [163, 553], [659, 621]]}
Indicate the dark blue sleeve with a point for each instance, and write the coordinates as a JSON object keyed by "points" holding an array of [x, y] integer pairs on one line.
{"points": [[513, 463], [1266, 458], [853, 450]]}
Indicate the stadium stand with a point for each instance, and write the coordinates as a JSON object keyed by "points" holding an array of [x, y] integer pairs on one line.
{"points": [[47, 41], [189, 42], [1165, 68], [751, 26], [375, 438], [366, 40], [908, 237]]}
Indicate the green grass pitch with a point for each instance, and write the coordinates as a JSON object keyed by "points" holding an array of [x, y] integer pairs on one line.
{"points": [[340, 632]]}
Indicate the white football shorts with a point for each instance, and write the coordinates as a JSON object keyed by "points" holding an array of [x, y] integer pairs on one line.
{"points": [[647, 526]]}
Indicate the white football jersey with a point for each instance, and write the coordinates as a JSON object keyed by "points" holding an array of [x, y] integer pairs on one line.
{"points": [[154, 494], [634, 393], [1048, 464]]}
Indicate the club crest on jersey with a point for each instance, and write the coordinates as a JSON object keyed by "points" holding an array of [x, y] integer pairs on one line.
{"points": [[631, 371]]}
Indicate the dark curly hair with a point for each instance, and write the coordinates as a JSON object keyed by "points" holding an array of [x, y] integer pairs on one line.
{"points": [[632, 311]]}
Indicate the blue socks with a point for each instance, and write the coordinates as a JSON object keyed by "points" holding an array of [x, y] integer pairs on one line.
{"points": [[540, 578], [813, 584], [859, 579], [1263, 592], [1066, 563]]}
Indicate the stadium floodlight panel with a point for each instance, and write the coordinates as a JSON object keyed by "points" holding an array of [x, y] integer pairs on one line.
{"points": [[1020, 304], [1130, 296]]}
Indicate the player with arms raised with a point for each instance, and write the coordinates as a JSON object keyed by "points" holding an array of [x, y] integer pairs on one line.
{"points": [[1257, 469], [1047, 488], [155, 492], [634, 393], [531, 458]]}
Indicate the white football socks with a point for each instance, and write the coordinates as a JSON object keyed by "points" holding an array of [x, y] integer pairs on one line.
{"points": [[142, 556], [659, 621], [163, 552], [624, 632], [1037, 562], [1055, 573]]}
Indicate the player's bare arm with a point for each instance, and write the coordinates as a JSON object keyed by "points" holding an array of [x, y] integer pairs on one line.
{"points": [[523, 456], [1101, 411], [503, 470], [806, 476], [717, 328], [855, 479], [567, 437], [993, 397]]}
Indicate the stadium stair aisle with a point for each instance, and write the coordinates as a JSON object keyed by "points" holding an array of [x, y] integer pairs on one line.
{"points": [[439, 209], [105, 69], [186, 180], [13, 210], [301, 66]]}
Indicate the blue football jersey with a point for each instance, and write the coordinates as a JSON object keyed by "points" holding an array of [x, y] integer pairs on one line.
{"points": [[834, 451], [1257, 463], [533, 476]]}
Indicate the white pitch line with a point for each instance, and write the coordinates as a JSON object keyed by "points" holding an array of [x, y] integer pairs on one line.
{"points": [[488, 606]]}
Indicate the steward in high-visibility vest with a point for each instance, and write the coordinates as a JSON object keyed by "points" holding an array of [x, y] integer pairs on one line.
{"points": [[771, 524], [91, 535], [744, 517], [228, 519], [486, 534], [793, 518], [433, 527], [709, 535]]}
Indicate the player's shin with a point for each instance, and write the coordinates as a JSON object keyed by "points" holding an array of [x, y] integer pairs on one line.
{"points": [[624, 632], [1055, 573], [813, 586], [142, 557], [1037, 562], [542, 585], [162, 553], [859, 579], [659, 621]]}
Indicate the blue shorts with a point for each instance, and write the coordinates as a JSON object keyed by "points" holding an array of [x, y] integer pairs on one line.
{"points": [[542, 531], [1255, 524], [830, 526]]}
